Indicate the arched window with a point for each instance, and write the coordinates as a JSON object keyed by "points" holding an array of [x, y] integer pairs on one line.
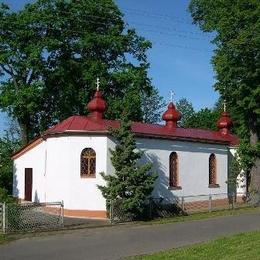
{"points": [[173, 175], [212, 170], [88, 163]]}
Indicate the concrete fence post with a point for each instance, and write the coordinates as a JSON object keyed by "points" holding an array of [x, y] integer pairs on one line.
{"points": [[210, 203], [62, 213], [4, 217]]}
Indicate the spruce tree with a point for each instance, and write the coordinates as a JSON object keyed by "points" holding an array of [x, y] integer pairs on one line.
{"points": [[131, 183]]}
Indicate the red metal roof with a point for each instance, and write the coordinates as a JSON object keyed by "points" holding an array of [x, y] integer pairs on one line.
{"points": [[84, 124]]}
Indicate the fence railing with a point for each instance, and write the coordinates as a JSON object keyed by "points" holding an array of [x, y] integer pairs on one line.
{"points": [[31, 216], [213, 202], [183, 205]]}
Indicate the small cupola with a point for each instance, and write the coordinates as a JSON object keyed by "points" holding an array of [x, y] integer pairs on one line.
{"points": [[171, 116], [225, 123], [97, 106]]}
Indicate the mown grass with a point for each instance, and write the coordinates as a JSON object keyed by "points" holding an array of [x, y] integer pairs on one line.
{"points": [[205, 215], [242, 246]]}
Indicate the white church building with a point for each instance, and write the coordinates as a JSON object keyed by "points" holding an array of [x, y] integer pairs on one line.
{"points": [[64, 164]]}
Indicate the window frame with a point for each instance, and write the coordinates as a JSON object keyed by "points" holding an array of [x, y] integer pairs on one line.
{"points": [[212, 171], [88, 158], [174, 177]]}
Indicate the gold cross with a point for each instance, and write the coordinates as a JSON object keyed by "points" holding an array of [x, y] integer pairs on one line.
{"points": [[172, 94]]}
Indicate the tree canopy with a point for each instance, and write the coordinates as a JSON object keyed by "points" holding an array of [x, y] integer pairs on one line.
{"points": [[205, 118], [187, 111], [51, 53], [236, 61]]}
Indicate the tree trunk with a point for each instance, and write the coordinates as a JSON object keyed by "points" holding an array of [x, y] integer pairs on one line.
{"points": [[24, 133], [255, 171]]}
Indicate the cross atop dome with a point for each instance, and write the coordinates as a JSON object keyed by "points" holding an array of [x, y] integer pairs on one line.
{"points": [[172, 94], [225, 106], [97, 105], [171, 115], [225, 123]]}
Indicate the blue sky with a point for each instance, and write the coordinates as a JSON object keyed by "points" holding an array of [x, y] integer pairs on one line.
{"points": [[181, 53]]}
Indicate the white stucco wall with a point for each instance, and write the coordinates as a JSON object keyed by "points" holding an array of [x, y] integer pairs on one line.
{"points": [[56, 172], [56, 169], [84, 191], [193, 161], [34, 158]]}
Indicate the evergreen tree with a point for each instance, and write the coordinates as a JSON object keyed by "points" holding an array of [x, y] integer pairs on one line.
{"points": [[132, 182]]}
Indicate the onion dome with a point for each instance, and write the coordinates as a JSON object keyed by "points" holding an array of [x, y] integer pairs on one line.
{"points": [[224, 124], [97, 106], [171, 116]]}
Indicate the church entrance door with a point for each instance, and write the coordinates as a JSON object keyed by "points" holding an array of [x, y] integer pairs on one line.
{"points": [[28, 184]]}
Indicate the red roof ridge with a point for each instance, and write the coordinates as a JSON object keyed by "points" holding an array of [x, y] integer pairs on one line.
{"points": [[85, 124]]}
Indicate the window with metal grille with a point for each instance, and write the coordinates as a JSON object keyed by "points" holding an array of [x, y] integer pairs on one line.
{"points": [[173, 175], [212, 169], [88, 163]]}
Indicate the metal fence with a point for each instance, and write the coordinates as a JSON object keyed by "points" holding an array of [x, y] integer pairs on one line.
{"points": [[181, 206], [31, 216], [213, 202]]}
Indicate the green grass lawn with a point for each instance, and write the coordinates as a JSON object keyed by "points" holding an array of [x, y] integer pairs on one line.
{"points": [[238, 247]]}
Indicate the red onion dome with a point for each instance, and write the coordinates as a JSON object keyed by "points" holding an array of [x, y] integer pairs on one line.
{"points": [[225, 123], [97, 106], [171, 116]]}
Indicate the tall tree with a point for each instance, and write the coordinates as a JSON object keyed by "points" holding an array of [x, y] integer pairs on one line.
{"points": [[205, 118], [8, 144], [131, 183], [186, 109], [153, 106], [51, 53], [236, 60]]}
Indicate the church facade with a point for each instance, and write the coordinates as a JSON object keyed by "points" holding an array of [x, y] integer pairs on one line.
{"points": [[64, 164]]}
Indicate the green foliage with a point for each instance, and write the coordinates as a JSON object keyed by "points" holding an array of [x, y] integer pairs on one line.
{"points": [[7, 146], [234, 171], [152, 106], [205, 118], [187, 111], [5, 196], [51, 53], [132, 182], [236, 27]]}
